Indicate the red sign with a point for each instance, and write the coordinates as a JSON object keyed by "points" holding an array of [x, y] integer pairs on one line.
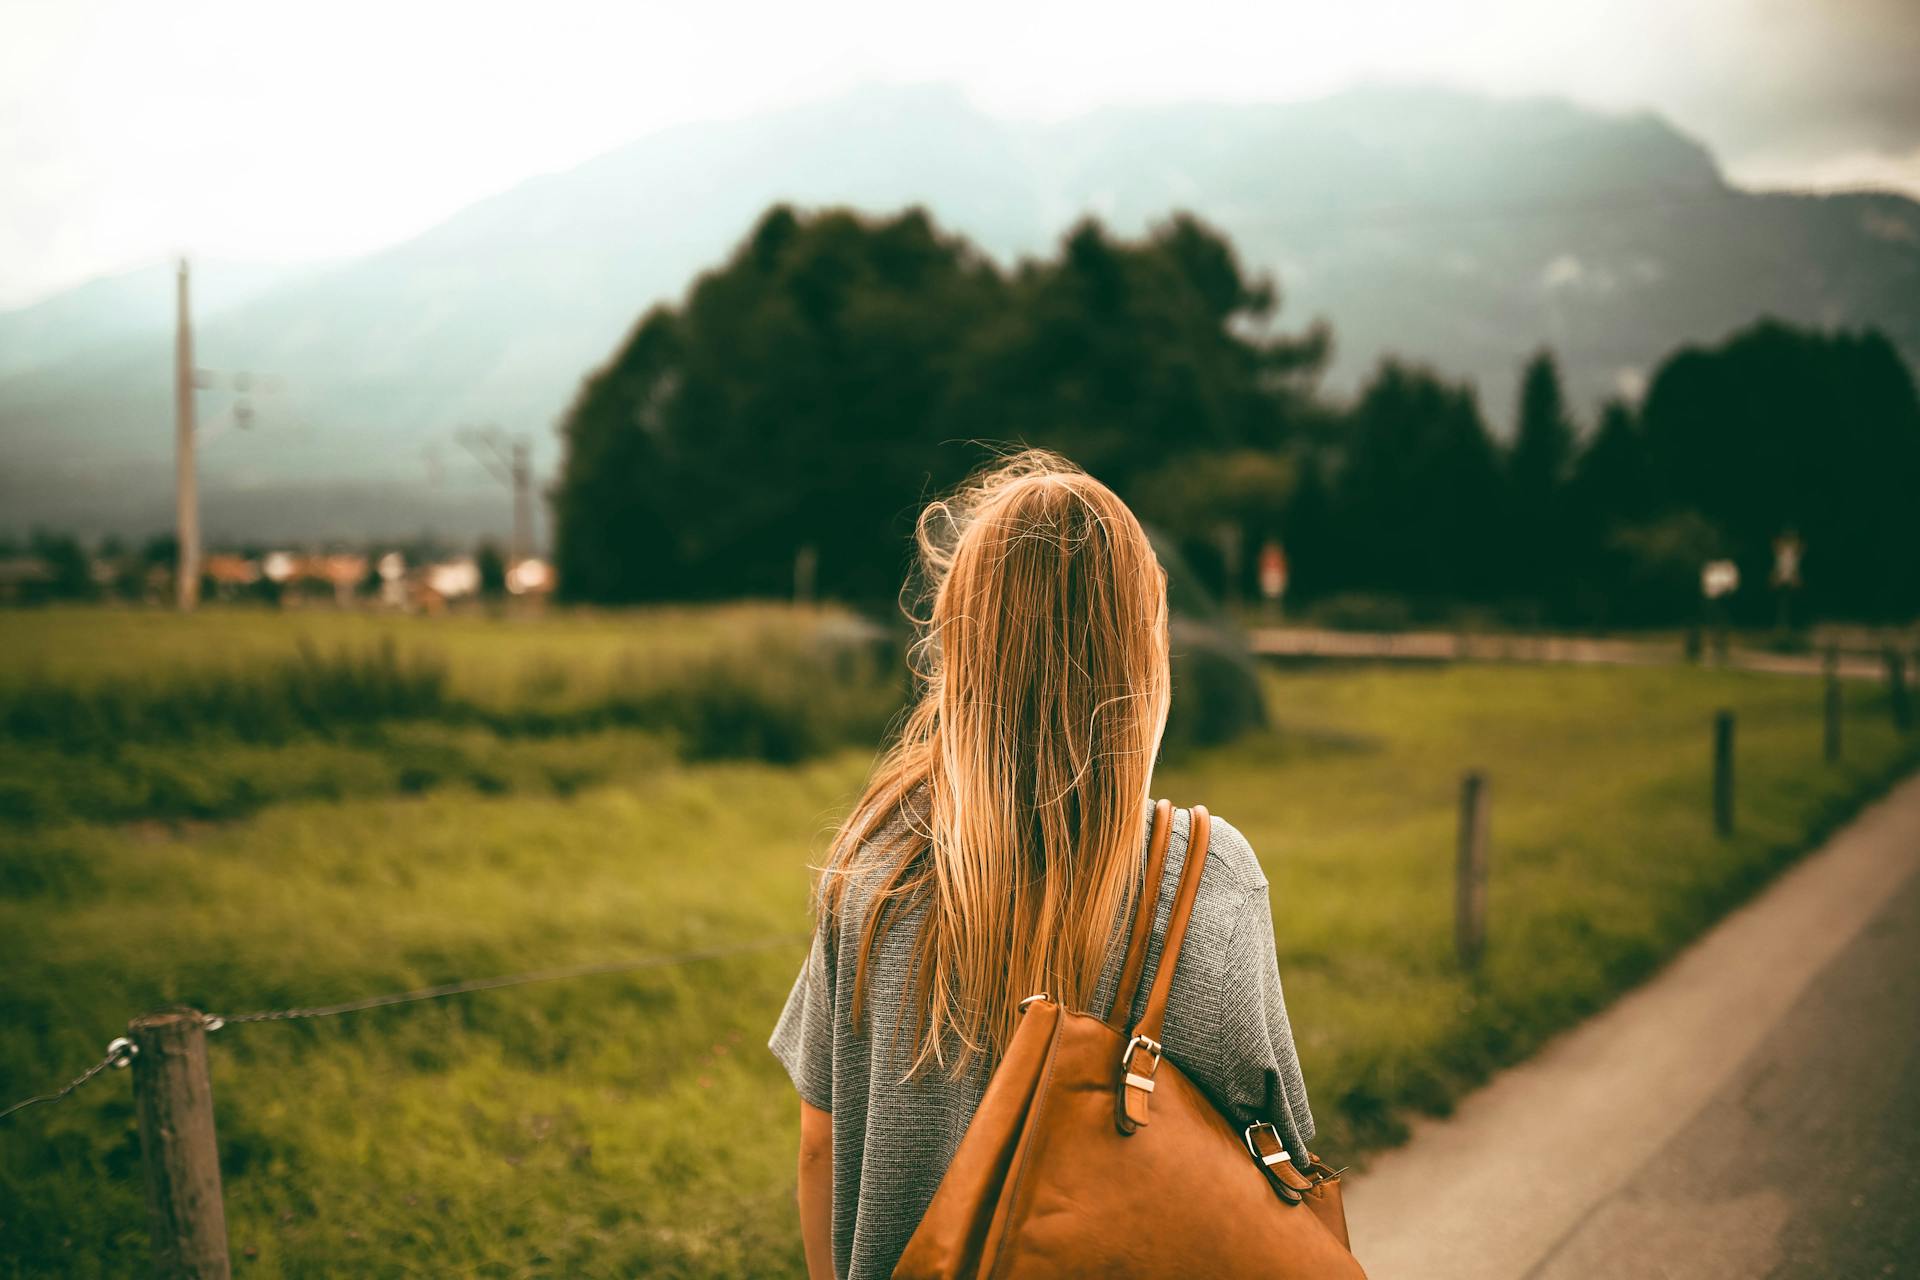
{"points": [[1273, 570]]}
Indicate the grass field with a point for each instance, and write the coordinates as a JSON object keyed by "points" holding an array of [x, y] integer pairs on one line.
{"points": [[614, 1126]]}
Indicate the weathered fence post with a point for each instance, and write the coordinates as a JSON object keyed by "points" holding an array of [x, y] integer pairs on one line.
{"points": [[174, 1097], [1897, 690], [1470, 871], [1723, 773], [1835, 706]]}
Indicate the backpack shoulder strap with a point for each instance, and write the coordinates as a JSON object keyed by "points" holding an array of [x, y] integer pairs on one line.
{"points": [[1149, 902], [1142, 1055]]}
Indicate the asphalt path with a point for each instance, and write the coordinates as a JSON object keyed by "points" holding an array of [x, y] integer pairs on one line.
{"points": [[1752, 1111], [1453, 646]]}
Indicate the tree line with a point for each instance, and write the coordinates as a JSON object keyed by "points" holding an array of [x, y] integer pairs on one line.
{"points": [[837, 370]]}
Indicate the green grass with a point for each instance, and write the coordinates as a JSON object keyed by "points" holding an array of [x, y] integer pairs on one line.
{"points": [[560, 659], [124, 714], [623, 1125]]}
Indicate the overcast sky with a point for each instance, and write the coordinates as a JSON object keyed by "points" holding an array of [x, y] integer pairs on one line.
{"points": [[258, 130]]}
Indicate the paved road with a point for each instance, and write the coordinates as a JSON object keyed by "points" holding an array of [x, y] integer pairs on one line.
{"points": [[1753, 1111], [1807, 1162], [1453, 646]]}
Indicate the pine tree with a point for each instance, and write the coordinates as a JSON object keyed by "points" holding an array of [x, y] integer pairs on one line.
{"points": [[1537, 473]]}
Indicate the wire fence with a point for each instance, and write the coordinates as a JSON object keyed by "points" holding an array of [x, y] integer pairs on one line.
{"points": [[172, 1086], [122, 1051], [119, 1054]]}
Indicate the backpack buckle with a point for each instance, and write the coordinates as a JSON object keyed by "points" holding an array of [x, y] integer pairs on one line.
{"points": [[1134, 1079], [1253, 1149], [1148, 1043]]}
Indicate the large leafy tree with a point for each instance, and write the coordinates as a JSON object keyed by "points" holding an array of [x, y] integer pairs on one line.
{"points": [[1784, 429], [837, 369], [794, 399], [1130, 356]]}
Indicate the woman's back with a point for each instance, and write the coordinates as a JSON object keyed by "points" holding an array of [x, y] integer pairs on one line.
{"points": [[894, 1133]]}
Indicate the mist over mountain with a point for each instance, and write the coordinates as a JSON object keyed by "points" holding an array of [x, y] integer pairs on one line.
{"points": [[1449, 228], [131, 304]]}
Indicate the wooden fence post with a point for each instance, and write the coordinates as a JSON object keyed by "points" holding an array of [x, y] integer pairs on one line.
{"points": [[1723, 773], [1897, 690], [1470, 871], [1835, 706], [174, 1097]]}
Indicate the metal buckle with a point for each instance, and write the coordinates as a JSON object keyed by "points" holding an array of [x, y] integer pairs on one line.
{"points": [[1151, 1045], [1038, 995], [1320, 1173], [1254, 1151]]}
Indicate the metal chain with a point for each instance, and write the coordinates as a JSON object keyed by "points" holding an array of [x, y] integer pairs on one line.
{"points": [[215, 1021], [119, 1054]]}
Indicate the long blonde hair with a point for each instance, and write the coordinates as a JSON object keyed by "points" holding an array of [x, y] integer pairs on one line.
{"points": [[1013, 804]]}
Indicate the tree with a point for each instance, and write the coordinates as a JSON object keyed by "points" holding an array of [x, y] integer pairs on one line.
{"points": [[795, 397], [1220, 507], [1537, 466], [492, 567], [1311, 537], [1784, 428], [1419, 505], [1128, 356], [837, 370], [1611, 490], [68, 563]]}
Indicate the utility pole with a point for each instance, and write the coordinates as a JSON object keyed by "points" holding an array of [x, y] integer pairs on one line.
{"points": [[187, 379], [508, 459], [522, 546], [185, 481]]}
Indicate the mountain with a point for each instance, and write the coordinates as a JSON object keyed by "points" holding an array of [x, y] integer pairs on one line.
{"points": [[133, 304], [1445, 227]]}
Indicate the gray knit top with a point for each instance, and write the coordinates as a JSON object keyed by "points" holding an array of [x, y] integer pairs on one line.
{"points": [[1226, 1028]]}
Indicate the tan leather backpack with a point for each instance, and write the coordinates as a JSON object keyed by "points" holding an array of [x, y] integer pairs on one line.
{"points": [[1092, 1154]]}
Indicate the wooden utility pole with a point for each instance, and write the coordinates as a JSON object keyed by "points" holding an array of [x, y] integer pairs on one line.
{"points": [[186, 494], [522, 547], [1723, 773], [1470, 871], [509, 459], [174, 1097]]}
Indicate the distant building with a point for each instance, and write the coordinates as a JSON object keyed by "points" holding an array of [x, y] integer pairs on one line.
{"points": [[448, 580], [531, 577], [232, 575], [392, 568], [345, 571]]}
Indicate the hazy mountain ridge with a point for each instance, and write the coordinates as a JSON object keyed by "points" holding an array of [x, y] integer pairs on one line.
{"points": [[123, 305], [1459, 230]]}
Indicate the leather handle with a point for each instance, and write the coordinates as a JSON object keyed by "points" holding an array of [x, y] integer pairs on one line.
{"points": [[1136, 961], [1141, 1059], [1155, 1014]]}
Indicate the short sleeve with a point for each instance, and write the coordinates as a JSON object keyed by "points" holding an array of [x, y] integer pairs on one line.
{"points": [[1263, 1070], [803, 1038]]}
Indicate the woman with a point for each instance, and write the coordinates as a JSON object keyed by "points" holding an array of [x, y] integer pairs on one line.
{"points": [[998, 851]]}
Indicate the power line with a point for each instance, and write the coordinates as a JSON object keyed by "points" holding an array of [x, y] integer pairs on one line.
{"points": [[507, 459]]}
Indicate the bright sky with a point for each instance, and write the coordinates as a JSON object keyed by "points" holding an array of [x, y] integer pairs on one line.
{"points": [[271, 132]]}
